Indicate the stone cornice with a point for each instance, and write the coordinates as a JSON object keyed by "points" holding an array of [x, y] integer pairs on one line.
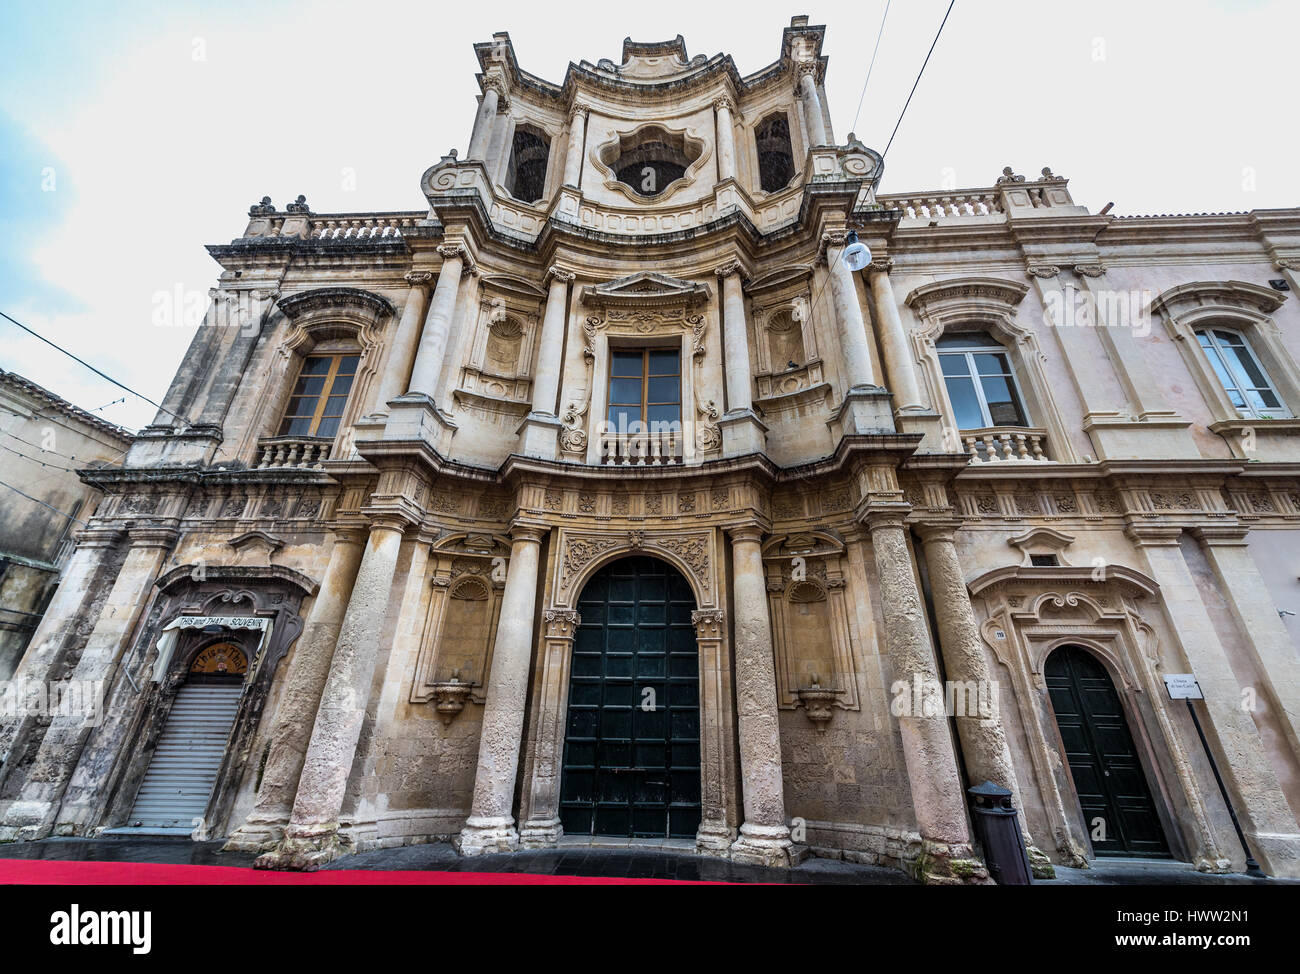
{"points": [[331, 298]]}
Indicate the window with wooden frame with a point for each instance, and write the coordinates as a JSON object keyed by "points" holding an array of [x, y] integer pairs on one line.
{"points": [[1242, 376], [320, 395], [645, 388]]}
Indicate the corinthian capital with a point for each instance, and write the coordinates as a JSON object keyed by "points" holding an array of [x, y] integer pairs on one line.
{"points": [[724, 103], [729, 268], [576, 110], [496, 83]]}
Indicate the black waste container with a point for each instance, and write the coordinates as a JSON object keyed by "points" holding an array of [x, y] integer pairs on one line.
{"points": [[998, 829]]}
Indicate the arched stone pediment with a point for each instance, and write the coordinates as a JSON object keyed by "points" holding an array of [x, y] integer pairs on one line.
{"points": [[646, 289]]}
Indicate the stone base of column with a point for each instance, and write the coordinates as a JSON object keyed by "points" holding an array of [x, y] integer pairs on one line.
{"points": [[742, 433], [714, 839], [1215, 866], [865, 409], [262, 831], [1278, 853], [540, 833], [941, 864], [1039, 865], [930, 425], [485, 835], [415, 416], [763, 845], [26, 821], [540, 435], [306, 848]]}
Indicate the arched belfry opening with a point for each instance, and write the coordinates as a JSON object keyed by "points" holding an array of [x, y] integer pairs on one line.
{"points": [[631, 762], [775, 154], [526, 173], [1115, 798]]}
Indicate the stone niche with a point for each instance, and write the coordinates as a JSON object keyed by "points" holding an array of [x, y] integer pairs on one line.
{"points": [[467, 578], [496, 383], [810, 625]]}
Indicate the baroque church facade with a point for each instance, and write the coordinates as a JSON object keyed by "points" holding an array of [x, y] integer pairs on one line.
{"points": [[617, 493]]}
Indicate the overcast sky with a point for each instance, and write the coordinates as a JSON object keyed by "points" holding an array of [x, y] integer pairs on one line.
{"points": [[131, 138]]}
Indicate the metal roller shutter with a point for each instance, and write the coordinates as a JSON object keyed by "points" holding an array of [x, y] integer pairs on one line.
{"points": [[178, 784]]}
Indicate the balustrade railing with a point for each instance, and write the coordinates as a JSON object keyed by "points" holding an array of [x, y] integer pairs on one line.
{"points": [[299, 452], [1003, 444]]}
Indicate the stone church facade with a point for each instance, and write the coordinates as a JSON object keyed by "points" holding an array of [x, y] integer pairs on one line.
{"points": [[605, 496]]}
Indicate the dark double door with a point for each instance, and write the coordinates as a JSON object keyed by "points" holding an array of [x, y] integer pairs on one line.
{"points": [[1118, 810], [632, 742]]}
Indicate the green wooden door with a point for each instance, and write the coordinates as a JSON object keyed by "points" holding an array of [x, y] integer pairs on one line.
{"points": [[632, 742], [1117, 806]]}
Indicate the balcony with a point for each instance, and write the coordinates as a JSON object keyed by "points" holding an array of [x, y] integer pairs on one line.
{"points": [[642, 449], [297, 452], [1005, 444]]}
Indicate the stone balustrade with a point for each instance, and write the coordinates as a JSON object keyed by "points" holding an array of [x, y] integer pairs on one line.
{"points": [[299, 452], [935, 206], [362, 226], [1003, 444], [642, 449]]}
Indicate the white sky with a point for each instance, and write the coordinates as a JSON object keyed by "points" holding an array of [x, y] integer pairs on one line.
{"points": [[1161, 107]]}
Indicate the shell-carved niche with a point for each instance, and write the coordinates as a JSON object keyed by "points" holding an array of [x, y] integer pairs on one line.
{"points": [[790, 369], [652, 162], [497, 380], [468, 581], [810, 620]]}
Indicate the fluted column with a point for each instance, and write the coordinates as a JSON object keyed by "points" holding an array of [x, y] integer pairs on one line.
{"points": [[485, 120], [437, 325], [577, 141], [726, 138], [938, 800], [304, 683], [848, 316], [311, 838], [764, 836], [812, 104], [406, 341], [491, 826], [893, 338]]}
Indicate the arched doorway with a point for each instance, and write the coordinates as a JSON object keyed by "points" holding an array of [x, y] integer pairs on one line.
{"points": [[1118, 810], [631, 762], [177, 787]]}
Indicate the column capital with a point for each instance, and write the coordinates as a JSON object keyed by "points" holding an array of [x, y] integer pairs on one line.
{"points": [[804, 69], [881, 265], [561, 623], [494, 82], [556, 273], [728, 268], [746, 532], [1222, 535], [1090, 270], [98, 536], [457, 250], [1154, 535], [831, 238], [944, 529], [153, 536], [709, 623], [418, 278], [724, 103], [577, 110], [528, 532], [884, 518], [389, 521]]}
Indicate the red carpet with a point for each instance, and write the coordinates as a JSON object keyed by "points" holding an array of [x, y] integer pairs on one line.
{"points": [[45, 872]]}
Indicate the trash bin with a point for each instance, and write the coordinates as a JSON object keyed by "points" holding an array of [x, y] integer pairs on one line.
{"points": [[998, 829]]}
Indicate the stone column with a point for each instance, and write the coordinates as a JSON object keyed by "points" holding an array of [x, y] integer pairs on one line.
{"points": [[41, 802], [303, 685], [893, 338], [485, 120], [490, 826], [726, 138], [812, 104], [1240, 581], [312, 838], [442, 310], [401, 357], [541, 827], [742, 431], [1261, 806], [938, 800], [577, 144], [848, 315], [541, 428], [764, 835], [48, 646]]}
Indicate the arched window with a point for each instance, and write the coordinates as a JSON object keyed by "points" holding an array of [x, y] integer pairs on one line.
{"points": [[1239, 371], [526, 175], [980, 381], [775, 157], [320, 394], [650, 160]]}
